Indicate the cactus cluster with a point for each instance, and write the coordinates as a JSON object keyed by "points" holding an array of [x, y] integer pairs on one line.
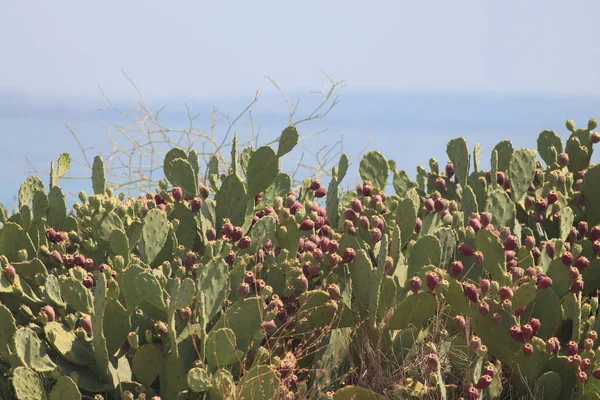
{"points": [[464, 283]]}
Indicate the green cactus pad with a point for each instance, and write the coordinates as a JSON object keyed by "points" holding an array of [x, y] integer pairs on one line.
{"points": [[223, 385], [147, 362], [333, 196], [491, 246], [502, 208], [497, 337], [426, 251], [287, 141], [220, 349], [28, 385], [504, 150], [185, 294], [29, 269], [231, 202], [117, 324], [8, 328], [456, 298], [476, 157], [28, 188], [448, 241], [149, 289], [414, 310], [373, 167], [263, 167], [98, 175], [548, 386], [198, 380], [469, 204], [12, 239], [213, 281], [406, 218], [549, 146], [547, 308], [314, 310], [263, 231], [244, 318], [520, 171], [65, 389], [182, 175], [260, 382], [40, 205], [74, 350], [104, 223], [57, 208], [402, 183], [360, 272], [356, 392], [524, 295], [458, 152], [31, 352], [154, 234], [341, 168], [76, 295], [526, 369], [119, 245], [591, 193], [288, 235]]}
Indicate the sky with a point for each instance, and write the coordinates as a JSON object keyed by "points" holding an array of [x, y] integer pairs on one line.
{"points": [[416, 74]]}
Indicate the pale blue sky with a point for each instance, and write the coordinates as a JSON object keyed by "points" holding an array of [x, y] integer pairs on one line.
{"points": [[203, 48]]}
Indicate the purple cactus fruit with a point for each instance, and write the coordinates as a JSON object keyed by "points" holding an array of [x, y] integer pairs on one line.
{"points": [[516, 333], [572, 348], [536, 253], [475, 342], [432, 362], [520, 311], [440, 184], [259, 285], [301, 284], [439, 204], [478, 258], [511, 242], [311, 270], [189, 259], [596, 373], [511, 264], [243, 290], [567, 258], [415, 284], [581, 263], [177, 193], [593, 335], [348, 255], [535, 325], [596, 248], [541, 205], [582, 228], [237, 234], [10, 273], [505, 293], [576, 286], [588, 344], [509, 255], [475, 223], [375, 235], [88, 265], [489, 370], [48, 311], [428, 204], [552, 197], [79, 260], [484, 308], [552, 345], [465, 249], [516, 273], [527, 349], [460, 323], [88, 282], [581, 377], [334, 260], [472, 393], [484, 382], [307, 225], [500, 178], [456, 269], [432, 280], [544, 282], [315, 184], [230, 258], [367, 188], [496, 319], [449, 170], [527, 332], [334, 291], [418, 225], [227, 230], [85, 323], [321, 192], [51, 235], [595, 233], [356, 205], [563, 159], [484, 287], [471, 292], [531, 271], [595, 137], [245, 242]]}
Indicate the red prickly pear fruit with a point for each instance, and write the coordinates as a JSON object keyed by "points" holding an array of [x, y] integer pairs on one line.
{"points": [[478, 257], [563, 159], [318, 255], [295, 207], [315, 184], [475, 224], [527, 349], [185, 313], [484, 382], [475, 342], [311, 270], [389, 264], [85, 323], [321, 192], [429, 204], [367, 188], [472, 393], [595, 137], [439, 205], [350, 215], [552, 197], [49, 312], [500, 177], [432, 362], [51, 235], [484, 308], [348, 255], [511, 242], [334, 259], [415, 284], [56, 257], [496, 319], [505, 293], [227, 230], [567, 258], [79, 260], [456, 269], [484, 286], [10, 273], [333, 247], [465, 249], [576, 286], [509, 255], [572, 348], [529, 242], [541, 205], [595, 233], [531, 271], [581, 263], [243, 290], [544, 282], [485, 218], [88, 282], [441, 185], [449, 170], [203, 190], [593, 335], [88, 265], [573, 273], [245, 242], [269, 327], [520, 311], [581, 377], [334, 291], [471, 292], [418, 225], [259, 285], [552, 345], [356, 205], [237, 234], [596, 248], [301, 284], [375, 235], [550, 249], [307, 225], [535, 325], [516, 333], [69, 261], [211, 234], [190, 259], [489, 370], [375, 199], [177, 193], [249, 278], [432, 279], [586, 363], [230, 258], [527, 331], [460, 323], [596, 373]]}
